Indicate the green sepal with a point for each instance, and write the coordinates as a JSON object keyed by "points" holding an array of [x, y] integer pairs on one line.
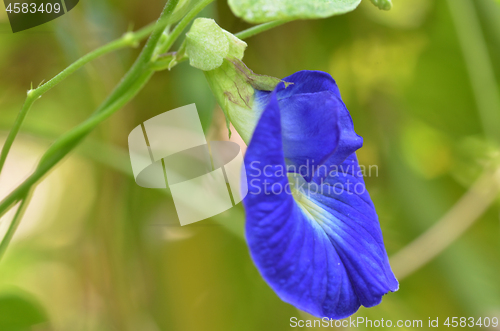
{"points": [[234, 85], [219, 53], [382, 4]]}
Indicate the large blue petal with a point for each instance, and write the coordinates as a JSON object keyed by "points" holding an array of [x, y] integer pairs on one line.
{"points": [[344, 208], [320, 250], [317, 127]]}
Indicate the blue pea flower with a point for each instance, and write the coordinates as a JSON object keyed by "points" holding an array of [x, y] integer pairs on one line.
{"points": [[311, 226]]}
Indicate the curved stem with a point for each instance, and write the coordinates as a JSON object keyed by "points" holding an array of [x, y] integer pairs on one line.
{"points": [[67, 142], [130, 39], [453, 224], [125, 90], [130, 85], [140, 66], [259, 28], [143, 63], [81, 130], [479, 197]]}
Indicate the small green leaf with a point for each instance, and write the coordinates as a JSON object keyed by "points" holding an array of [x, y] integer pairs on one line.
{"points": [[206, 44], [19, 311], [382, 4], [261, 11]]}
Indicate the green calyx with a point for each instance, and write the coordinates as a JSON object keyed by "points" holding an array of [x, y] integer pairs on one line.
{"points": [[382, 4], [234, 85], [219, 54]]}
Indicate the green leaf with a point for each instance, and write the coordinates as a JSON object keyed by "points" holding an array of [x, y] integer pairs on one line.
{"points": [[206, 44], [19, 312], [260, 11]]}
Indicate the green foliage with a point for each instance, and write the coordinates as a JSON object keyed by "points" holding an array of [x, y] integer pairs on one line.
{"points": [[382, 4], [233, 85], [206, 44], [19, 312], [260, 11]]}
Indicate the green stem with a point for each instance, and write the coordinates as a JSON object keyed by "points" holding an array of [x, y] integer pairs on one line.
{"points": [[259, 28], [73, 137], [140, 66], [130, 85], [478, 64], [143, 60], [143, 63], [182, 25], [68, 142], [451, 226], [15, 129], [14, 224], [165, 61], [117, 99], [129, 39]]}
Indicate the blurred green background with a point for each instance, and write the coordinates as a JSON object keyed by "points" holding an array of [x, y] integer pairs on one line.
{"points": [[95, 251]]}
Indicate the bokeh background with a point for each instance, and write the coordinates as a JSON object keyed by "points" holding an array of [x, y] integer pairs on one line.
{"points": [[95, 251]]}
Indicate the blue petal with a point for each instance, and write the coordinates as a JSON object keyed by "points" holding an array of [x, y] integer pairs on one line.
{"points": [[348, 217], [308, 81], [317, 127], [320, 251]]}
